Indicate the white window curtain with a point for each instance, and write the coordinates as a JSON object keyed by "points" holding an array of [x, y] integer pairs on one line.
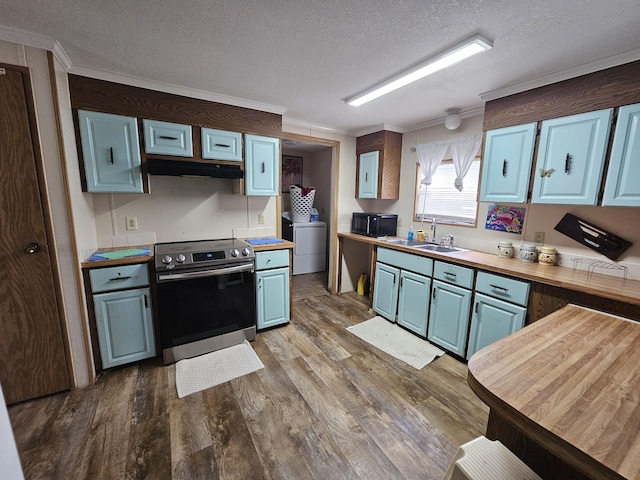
{"points": [[463, 151], [430, 156]]}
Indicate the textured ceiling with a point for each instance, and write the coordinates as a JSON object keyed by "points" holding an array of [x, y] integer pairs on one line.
{"points": [[304, 57]]}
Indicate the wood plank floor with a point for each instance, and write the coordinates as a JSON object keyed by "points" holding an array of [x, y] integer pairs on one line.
{"points": [[326, 406]]}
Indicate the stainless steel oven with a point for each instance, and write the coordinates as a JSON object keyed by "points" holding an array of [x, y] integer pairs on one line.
{"points": [[206, 296]]}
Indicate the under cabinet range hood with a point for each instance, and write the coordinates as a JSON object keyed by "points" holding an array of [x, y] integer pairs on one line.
{"points": [[182, 168]]}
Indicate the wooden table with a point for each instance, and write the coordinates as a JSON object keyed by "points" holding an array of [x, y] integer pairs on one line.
{"points": [[564, 394]]}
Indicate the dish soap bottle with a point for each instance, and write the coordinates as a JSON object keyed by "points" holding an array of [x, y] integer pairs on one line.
{"points": [[410, 235]]}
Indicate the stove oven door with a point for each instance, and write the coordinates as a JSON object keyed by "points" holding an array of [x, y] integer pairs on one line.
{"points": [[201, 304]]}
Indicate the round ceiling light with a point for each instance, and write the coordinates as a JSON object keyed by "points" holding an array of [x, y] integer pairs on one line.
{"points": [[452, 121]]}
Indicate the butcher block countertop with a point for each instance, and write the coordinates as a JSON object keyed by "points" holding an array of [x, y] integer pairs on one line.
{"points": [[606, 286], [571, 382], [271, 246]]}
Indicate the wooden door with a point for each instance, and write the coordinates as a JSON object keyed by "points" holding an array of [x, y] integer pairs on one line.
{"points": [[32, 353]]}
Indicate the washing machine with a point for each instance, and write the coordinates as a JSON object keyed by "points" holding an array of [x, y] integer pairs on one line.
{"points": [[310, 252]]}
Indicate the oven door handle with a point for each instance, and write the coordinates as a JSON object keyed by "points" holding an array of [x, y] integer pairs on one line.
{"points": [[245, 267]]}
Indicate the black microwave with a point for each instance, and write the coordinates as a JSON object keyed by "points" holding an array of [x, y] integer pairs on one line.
{"points": [[374, 224]]}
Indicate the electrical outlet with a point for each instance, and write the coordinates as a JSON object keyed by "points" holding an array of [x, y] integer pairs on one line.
{"points": [[132, 223], [260, 219], [539, 238]]}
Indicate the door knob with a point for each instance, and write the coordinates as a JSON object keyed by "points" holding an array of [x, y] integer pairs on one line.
{"points": [[32, 248]]}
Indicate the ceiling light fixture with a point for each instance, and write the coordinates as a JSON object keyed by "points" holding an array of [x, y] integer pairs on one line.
{"points": [[449, 57], [453, 120]]}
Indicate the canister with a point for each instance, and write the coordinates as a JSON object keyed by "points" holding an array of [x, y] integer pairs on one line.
{"points": [[505, 249], [528, 252], [547, 256], [420, 234]]}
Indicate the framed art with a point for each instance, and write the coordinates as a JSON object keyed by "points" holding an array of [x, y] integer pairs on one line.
{"points": [[291, 172]]}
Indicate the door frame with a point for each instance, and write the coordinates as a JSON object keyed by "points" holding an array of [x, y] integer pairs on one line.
{"points": [[333, 212], [48, 222]]}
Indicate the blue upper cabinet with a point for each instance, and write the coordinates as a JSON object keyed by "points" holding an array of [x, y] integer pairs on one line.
{"points": [[571, 158], [368, 174], [622, 187], [221, 145], [167, 138], [111, 152], [262, 165], [506, 164]]}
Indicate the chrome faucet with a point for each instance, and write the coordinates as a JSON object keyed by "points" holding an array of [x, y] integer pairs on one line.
{"points": [[433, 227]]}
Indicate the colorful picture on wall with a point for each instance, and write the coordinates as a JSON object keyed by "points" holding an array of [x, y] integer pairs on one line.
{"points": [[291, 172], [505, 219]]}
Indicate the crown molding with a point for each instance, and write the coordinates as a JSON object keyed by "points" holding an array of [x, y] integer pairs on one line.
{"points": [[592, 67], [474, 112], [293, 122], [35, 40]]}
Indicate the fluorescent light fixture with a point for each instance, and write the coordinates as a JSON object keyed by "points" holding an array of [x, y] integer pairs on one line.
{"points": [[450, 57]]}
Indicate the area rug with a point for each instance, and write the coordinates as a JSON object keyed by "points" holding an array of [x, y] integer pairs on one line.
{"points": [[397, 342], [206, 371]]}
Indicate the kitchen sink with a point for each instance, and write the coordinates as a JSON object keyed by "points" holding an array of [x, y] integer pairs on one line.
{"points": [[439, 248], [433, 247]]}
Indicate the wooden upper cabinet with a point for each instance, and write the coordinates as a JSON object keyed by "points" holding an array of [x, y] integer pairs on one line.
{"points": [[389, 147]]}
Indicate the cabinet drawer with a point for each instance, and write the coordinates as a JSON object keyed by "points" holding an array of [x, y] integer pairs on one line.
{"points": [[406, 261], [167, 138], [454, 274], [508, 289], [272, 259], [118, 278], [221, 145]]}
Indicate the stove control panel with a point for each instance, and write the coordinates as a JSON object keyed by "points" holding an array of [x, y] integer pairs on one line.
{"points": [[207, 256]]}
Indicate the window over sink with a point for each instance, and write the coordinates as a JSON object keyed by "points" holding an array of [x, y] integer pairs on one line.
{"points": [[442, 200]]}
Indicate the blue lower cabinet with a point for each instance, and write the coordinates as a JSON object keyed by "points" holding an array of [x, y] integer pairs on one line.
{"points": [[272, 297], [413, 302], [385, 291], [449, 316], [492, 320], [125, 326]]}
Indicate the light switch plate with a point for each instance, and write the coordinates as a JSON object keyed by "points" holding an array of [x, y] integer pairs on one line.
{"points": [[539, 238]]}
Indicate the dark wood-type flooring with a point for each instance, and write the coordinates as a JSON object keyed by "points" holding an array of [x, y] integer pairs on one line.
{"points": [[326, 406]]}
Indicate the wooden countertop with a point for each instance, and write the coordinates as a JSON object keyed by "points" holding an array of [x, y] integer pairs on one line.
{"points": [[110, 262], [571, 381], [273, 246], [606, 286]]}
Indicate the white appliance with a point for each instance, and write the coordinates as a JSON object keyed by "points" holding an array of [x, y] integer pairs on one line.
{"points": [[310, 252]]}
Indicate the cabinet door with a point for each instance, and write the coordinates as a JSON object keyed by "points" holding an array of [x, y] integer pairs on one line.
{"points": [[492, 320], [272, 297], [111, 152], [385, 291], [125, 326], [506, 164], [449, 316], [571, 158], [167, 138], [368, 175], [413, 302], [622, 187], [221, 145], [262, 165]]}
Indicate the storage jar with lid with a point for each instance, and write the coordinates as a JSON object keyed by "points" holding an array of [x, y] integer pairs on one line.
{"points": [[505, 249], [528, 252], [547, 256]]}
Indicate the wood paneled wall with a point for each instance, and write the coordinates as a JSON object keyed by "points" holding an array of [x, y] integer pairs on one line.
{"points": [[103, 96], [607, 88]]}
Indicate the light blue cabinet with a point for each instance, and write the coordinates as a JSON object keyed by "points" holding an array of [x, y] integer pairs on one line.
{"points": [[401, 287], [413, 302], [506, 164], [571, 157], [622, 187], [385, 291], [499, 309], [221, 145], [262, 166], [368, 174], [167, 138], [125, 326], [450, 306], [273, 288], [110, 152]]}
